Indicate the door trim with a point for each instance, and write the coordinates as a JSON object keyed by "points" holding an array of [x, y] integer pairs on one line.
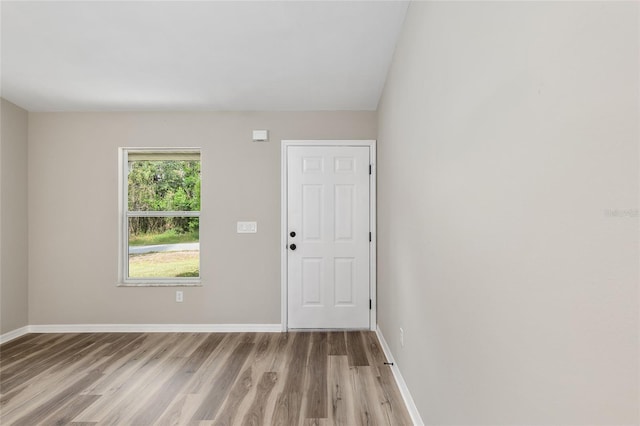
{"points": [[371, 143]]}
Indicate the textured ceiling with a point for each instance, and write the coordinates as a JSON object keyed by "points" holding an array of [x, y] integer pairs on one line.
{"points": [[203, 55]]}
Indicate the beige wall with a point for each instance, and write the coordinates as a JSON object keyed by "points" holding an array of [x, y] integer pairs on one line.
{"points": [[13, 218], [73, 217], [508, 225]]}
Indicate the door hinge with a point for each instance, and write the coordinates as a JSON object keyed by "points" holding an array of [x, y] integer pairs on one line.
{"points": [[369, 168], [369, 236], [369, 304]]}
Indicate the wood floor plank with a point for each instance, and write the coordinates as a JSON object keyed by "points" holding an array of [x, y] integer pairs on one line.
{"points": [[337, 345], [248, 337], [365, 409], [17, 342], [394, 403], [374, 349], [290, 379], [127, 351], [279, 365], [138, 395], [68, 412], [289, 402], [256, 415], [264, 352], [188, 343], [98, 344], [181, 411], [316, 422], [282, 351], [31, 393], [316, 407], [121, 340], [229, 412], [244, 389], [222, 384], [60, 361], [261, 361], [42, 361], [159, 401], [341, 392], [21, 347], [375, 402], [214, 364], [41, 412], [355, 350], [126, 391], [15, 354]]}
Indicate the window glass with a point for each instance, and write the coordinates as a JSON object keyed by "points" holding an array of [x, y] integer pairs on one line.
{"points": [[162, 216], [172, 185], [164, 247]]}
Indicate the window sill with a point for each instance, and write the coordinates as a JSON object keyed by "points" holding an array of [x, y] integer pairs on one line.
{"points": [[194, 283]]}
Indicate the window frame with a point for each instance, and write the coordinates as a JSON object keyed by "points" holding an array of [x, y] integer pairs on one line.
{"points": [[124, 214]]}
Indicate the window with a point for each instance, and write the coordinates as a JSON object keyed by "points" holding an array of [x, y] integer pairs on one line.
{"points": [[160, 220]]}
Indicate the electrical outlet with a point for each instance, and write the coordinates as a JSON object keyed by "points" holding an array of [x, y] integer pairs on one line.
{"points": [[401, 337], [179, 296]]}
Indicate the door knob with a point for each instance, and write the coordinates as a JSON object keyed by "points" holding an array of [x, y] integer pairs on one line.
{"points": [[292, 233], [292, 246]]}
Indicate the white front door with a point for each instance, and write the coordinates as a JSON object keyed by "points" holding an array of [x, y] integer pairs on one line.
{"points": [[328, 236]]}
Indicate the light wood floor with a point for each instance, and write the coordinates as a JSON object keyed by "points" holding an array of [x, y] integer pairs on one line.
{"points": [[314, 378]]}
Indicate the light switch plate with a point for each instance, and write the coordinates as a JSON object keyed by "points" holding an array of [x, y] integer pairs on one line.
{"points": [[260, 135], [247, 227]]}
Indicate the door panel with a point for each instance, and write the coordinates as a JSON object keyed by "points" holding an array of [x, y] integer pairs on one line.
{"points": [[343, 209], [328, 209], [343, 282], [312, 210], [312, 282]]}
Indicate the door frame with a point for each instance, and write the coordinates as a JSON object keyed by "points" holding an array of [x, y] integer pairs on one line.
{"points": [[371, 144]]}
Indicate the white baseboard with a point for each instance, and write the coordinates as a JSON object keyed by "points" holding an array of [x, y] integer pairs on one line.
{"points": [[155, 328], [404, 390], [14, 334]]}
